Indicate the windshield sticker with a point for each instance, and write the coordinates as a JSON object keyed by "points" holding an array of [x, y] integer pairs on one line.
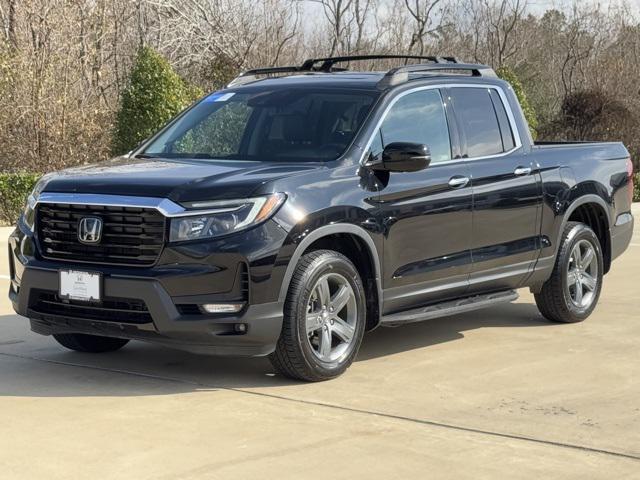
{"points": [[219, 97]]}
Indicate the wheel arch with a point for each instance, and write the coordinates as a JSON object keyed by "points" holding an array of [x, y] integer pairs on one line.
{"points": [[333, 237], [593, 211]]}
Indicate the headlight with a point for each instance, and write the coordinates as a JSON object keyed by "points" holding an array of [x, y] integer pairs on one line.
{"points": [[28, 214], [223, 217]]}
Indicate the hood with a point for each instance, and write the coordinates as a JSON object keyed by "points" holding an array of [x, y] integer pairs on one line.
{"points": [[178, 180]]}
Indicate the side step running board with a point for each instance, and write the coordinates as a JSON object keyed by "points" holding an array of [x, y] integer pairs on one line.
{"points": [[452, 307]]}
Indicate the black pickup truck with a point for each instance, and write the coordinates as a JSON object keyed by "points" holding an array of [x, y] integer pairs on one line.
{"points": [[302, 206]]}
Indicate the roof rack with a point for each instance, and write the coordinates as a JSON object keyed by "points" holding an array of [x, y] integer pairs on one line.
{"points": [[329, 62], [399, 75], [249, 76], [393, 77]]}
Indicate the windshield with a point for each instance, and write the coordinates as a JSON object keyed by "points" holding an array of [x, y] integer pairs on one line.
{"points": [[276, 125]]}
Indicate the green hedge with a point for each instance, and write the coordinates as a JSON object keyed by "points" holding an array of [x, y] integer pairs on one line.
{"points": [[14, 190], [636, 188]]}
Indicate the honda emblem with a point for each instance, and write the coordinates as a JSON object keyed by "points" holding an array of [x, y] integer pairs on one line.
{"points": [[90, 230]]}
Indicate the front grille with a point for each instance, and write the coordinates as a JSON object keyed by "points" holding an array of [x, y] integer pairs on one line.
{"points": [[130, 235], [110, 309]]}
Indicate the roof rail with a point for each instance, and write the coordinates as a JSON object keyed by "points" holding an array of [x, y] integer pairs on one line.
{"points": [[249, 76], [329, 62], [399, 75], [327, 65], [393, 77]]}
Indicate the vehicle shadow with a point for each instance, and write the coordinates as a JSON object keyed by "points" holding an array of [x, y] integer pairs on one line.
{"points": [[388, 341], [37, 366]]}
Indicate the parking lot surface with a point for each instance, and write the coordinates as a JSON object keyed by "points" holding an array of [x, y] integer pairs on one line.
{"points": [[497, 393]]}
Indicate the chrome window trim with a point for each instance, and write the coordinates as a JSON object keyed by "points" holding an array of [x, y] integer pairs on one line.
{"points": [[507, 106], [166, 207]]}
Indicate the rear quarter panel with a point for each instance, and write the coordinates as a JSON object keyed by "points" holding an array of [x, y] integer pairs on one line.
{"points": [[573, 174]]}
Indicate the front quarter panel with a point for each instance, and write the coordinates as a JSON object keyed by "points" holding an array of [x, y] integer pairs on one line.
{"points": [[336, 199]]}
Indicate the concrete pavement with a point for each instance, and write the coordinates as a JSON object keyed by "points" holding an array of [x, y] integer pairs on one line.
{"points": [[498, 393]]}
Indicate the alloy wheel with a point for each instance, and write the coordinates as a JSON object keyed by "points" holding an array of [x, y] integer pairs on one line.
{"points": [[582, 274], [331, 318]]}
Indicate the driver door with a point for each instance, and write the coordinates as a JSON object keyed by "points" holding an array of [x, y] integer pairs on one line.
{"points": [[426, 215]]}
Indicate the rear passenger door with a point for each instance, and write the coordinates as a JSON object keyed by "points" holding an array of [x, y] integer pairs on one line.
{"points": [[506, 192]]}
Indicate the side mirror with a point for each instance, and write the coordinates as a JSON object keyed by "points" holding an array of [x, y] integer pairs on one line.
{"points": [[404, 157]]}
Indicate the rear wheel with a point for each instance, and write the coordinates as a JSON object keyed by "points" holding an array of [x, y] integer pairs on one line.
{"points": [[573, 290], [81, 342], [324, 318]]}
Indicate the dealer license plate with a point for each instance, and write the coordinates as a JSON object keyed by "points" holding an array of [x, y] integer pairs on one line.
{"points": [[77, 285]]}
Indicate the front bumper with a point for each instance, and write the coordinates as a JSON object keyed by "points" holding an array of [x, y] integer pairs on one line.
{"points": [[163, 290]]}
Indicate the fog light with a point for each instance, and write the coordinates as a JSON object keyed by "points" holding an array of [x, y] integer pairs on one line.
{"points": [[222, 307], [241, 327]]}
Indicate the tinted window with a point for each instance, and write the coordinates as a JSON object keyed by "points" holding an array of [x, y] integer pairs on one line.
{"points": [[271, 125], [505, 128], [419, 117], [479, 121]]}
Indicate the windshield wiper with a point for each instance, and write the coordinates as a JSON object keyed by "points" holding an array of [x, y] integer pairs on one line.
{"points": [[146, 155]]}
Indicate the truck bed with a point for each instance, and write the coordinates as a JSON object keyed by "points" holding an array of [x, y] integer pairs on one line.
{"points": [[586, 143], [582, 155]]}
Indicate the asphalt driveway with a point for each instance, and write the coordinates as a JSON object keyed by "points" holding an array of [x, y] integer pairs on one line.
{"points": [[498, 393]]}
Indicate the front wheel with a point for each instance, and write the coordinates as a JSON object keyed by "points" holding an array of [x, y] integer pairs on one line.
{"points": [[324, 318], [573, 290]]}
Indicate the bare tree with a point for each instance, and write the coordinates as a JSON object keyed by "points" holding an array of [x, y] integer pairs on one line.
{"points": [[64, 63], [423, 13], [8, 16], [496, 29], [336, 12], [195, 34]]}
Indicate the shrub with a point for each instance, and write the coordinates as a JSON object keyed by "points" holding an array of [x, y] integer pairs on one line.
{"points": [[509, 75], [14, 190], [218, 71], [155, 94], [636, 188], [594, 115]]}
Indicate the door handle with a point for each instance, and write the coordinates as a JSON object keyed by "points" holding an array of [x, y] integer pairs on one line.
{"points": [[458, 181], [520, 171]]}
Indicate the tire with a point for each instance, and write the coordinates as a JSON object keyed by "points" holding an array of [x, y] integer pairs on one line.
{"points": [[312, 344], [558, 299], [90, 343]]}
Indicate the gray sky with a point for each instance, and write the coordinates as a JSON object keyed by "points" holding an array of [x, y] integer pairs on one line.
{"points": [[536, 6], [539, 6]]}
